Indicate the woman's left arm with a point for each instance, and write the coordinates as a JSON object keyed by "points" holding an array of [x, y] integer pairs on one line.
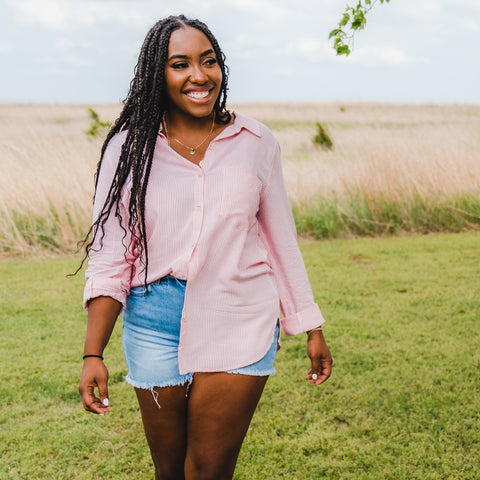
{"points": [[278, 232]]}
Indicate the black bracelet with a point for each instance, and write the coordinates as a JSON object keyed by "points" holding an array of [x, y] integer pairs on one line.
{"points": [[96, 356]]}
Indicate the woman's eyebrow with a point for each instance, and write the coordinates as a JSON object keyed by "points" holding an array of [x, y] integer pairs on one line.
{"points": [[203, 54]]}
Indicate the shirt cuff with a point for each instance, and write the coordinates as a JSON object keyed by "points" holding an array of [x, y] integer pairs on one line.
{"points": [[302, 321], [105, 288]]}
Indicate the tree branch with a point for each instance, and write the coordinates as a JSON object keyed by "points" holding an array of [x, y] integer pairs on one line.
{"points": [[353, 19]]}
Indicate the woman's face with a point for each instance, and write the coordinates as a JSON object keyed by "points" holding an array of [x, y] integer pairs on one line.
{"points": [[192, 74]]}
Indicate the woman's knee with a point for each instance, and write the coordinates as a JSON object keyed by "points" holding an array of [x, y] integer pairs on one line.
{"points": [[210, 467], [166, 472]]}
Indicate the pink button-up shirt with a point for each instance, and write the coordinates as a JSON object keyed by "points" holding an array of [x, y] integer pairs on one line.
{"points": [[227, 228]]}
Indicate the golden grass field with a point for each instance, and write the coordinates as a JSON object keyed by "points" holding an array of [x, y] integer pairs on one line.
{"points": [[388, 151]]}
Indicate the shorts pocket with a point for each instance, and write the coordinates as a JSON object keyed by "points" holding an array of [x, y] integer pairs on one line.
{"points": [[139, 291]]}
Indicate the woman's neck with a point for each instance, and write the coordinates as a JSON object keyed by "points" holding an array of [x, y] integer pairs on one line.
{"points": [[179, 122]]}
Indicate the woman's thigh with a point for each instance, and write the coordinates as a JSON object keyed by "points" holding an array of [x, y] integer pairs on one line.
{"points": [[164, 416], [220, 408]]}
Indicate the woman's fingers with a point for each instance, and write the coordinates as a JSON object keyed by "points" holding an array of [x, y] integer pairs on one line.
{"points": [[319, 372], [320, 357], [94, 377]]}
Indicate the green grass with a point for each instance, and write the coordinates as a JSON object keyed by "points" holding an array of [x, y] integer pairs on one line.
{"points": [[55, 231], [352, 215], [403, 402], [358, 215]]}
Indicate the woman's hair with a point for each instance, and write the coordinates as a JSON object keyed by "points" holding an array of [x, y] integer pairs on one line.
{"points": [[141, 116]]}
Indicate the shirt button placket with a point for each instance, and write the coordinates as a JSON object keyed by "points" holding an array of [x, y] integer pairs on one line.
{"points": [[197, 216]]}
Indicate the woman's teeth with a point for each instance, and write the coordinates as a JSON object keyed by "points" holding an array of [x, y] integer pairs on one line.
{"points": [[198, 94]]}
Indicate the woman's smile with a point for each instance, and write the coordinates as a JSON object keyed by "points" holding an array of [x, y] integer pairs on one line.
{"points": [[199, 96]]}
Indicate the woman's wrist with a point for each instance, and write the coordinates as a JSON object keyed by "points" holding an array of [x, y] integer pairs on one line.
{"points": [[316, 329], [93, 356]]}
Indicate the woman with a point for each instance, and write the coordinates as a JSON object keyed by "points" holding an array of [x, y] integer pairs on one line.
{"points": [[194, 239]]}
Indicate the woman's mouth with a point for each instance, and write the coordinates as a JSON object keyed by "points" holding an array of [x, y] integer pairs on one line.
{"points": [[198, 95]]}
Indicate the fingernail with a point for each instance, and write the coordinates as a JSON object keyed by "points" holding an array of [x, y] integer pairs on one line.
{"points": [[105, 401]]}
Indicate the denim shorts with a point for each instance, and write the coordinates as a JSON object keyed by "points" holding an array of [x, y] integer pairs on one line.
{"points": [[151, 333]]}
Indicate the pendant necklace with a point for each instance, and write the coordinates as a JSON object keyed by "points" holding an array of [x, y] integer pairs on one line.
{"points": [[193, 150]]}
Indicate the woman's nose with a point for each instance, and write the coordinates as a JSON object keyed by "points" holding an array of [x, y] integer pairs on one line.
{"points": [[197, 74]]}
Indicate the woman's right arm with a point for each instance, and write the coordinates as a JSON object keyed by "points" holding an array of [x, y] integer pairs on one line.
{"points": [[102, 315], [108, 276]]}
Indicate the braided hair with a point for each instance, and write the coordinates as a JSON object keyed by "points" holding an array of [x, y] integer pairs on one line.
{"points": [[141, 116]]}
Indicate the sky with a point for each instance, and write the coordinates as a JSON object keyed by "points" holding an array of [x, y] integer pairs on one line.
{"points": [[85, 51]]}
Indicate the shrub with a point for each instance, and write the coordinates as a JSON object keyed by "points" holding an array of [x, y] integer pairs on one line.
{"points": [[97, 126], [322, 139]]}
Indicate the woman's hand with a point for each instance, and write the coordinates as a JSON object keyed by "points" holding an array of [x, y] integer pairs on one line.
{"points": [[94, 375], [320, 357]]}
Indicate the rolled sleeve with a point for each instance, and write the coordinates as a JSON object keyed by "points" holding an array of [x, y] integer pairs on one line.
{"points": [[105, 287], [303, 321]]}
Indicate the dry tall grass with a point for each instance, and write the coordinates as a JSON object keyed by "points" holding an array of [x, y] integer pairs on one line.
{"points": [[396, 154]]}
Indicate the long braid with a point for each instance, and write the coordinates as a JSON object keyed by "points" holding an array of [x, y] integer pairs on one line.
{"points": [[144, 107]]}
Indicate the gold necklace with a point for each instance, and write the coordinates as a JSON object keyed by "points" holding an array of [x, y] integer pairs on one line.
{"points": [[193, 150]]}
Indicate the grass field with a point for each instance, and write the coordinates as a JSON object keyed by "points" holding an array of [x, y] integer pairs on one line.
{"points": [[403, 402], [393, 169]]}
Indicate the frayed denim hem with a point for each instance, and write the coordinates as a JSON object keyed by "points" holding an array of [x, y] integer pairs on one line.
{"points": [[253, 372], [174, 382]]}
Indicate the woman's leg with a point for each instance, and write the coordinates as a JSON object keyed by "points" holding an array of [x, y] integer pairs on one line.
{"points": [[220, 408], [164, 415]]}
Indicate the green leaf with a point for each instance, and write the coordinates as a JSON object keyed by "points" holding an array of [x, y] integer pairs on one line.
{"points": [[343, 50], [344, 20], [335, 32], [359, 21]]}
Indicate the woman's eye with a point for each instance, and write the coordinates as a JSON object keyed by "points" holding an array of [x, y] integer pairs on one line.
{"points": [[210, 61], [179, 65]]}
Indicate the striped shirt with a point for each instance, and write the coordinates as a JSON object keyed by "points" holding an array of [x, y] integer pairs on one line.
{"points": [[227, 228]]}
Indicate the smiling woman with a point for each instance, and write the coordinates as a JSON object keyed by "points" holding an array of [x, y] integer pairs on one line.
{"points": [[194, 239]]}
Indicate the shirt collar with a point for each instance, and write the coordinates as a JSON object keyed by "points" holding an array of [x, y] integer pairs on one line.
{"points": [[247, 123], [240, 122]]}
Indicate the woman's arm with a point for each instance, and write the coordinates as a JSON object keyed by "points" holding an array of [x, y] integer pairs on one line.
{"points": [[102, 315], [301, 313], [277, 230], [111, 256]]}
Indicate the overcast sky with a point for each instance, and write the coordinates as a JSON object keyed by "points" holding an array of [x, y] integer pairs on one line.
{"points": [[70, 51]]}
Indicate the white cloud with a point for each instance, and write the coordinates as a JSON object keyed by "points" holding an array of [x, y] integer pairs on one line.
{"points": [[378, 57], [5, 48], [48, 13], [65, 61], [62, 15], [310, 48], [267, 8]]}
